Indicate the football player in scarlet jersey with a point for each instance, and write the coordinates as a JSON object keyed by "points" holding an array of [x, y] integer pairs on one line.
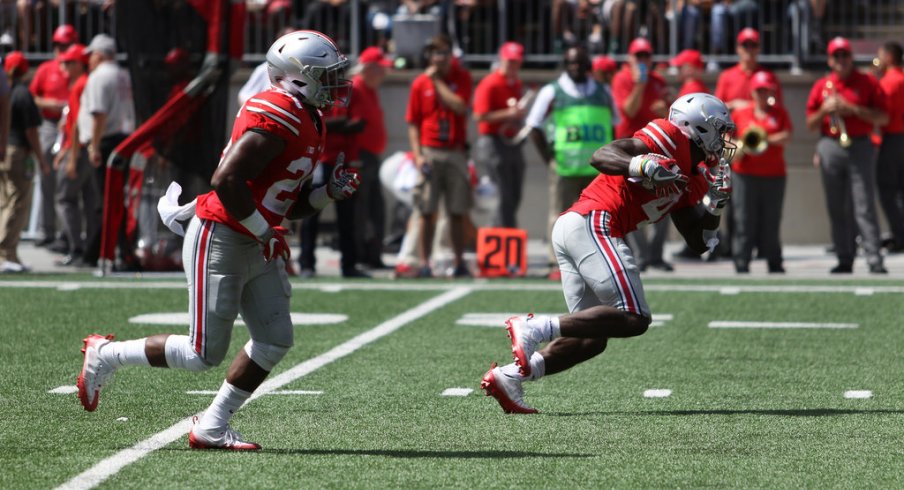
{"points": [[235, 252], [676, 166]]}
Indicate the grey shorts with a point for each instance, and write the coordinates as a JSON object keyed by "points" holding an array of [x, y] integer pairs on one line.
{"points": [[597, 269], [227, 275]]}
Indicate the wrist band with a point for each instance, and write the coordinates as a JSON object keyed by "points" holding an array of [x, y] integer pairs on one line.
{"points": [[256, 224], [319, 198], [635, 168]]}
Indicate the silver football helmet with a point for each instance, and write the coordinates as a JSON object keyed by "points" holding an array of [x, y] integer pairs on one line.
{"points": [[706, 121], [309, 65]]}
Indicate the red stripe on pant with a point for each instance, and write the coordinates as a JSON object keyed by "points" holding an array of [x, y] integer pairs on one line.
{"points": [[201, 284], [621, 279]]}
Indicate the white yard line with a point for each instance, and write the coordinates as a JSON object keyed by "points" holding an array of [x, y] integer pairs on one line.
{"points": [[108, 467], [456, 392], [276, 392], [725, 324], [657, 393], [853, 394]]}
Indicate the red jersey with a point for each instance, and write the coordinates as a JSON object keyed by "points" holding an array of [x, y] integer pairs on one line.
{"points": [[75, 94], [50, 82], [276, 188], [859, 88], [496, 92], [770, 163], [439, 126], [734, 83], [622, 84], [365, 104], [892, 84], [627, 201], [692, 86]]}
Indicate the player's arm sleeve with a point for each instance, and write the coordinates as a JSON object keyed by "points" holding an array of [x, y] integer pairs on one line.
{"points": [[269, 117]]}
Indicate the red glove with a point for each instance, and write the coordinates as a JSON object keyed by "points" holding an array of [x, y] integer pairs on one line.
{"points": [[275, 245]]}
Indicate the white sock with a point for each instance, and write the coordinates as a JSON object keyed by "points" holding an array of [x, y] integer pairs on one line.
{"points": [[546, 326], [125, 353], [537, 367], [511, 370], [228, 401]]}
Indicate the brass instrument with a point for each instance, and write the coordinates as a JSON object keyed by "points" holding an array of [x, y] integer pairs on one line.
{"points": [[836, 122], [753, 141], [523, 103]]}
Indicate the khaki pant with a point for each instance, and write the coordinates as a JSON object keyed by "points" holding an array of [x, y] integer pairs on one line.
{"points": [[563, 192], [15, 200]]}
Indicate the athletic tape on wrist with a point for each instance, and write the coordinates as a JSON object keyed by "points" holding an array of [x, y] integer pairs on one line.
{"points": [[635, 168], [319, 198], [256, 224]]}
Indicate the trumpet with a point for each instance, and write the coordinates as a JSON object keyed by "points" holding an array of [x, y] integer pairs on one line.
{"points": [[753, 141], [836, 122]]}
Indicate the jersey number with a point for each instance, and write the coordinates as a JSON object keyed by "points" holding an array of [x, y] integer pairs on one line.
{"points": [[657, 208], [280, 195]]}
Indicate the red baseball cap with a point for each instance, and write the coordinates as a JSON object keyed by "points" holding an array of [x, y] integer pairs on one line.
{"points": [[838, 44], [762, 79], [748, 35], [688, 56], [75, 52], [603, 63], [16, 63], [374, 54], [511, 51], [640, 45], [65, 34]]}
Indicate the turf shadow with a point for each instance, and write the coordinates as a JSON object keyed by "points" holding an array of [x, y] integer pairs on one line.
{"points": [[798, 412], [415, 454]]}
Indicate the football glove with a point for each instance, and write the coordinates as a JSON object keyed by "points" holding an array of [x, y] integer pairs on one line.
{"points": [[343, 182], [274, 244], [719, 191], [659, 173]]}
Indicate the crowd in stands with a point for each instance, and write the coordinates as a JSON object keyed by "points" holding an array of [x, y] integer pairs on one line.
{"points": [[590, 103]]}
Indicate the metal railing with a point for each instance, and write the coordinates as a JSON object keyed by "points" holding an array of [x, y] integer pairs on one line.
{"points": [[793, 32]]}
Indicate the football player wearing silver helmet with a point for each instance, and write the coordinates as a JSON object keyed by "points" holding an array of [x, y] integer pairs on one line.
{"points": [[235, 251], [642, 180]]}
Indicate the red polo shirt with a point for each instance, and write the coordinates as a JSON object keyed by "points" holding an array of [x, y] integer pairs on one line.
{"points": [[859, 88], [336, 142], [622, 84], [51, 82], [439, 126], [734, 83], [892, 84], [496, 92], [691, 86], [365, 104], [770, 163], [75, 95]]}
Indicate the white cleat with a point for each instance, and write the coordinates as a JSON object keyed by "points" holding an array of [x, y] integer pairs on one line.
{"points": [[95, 372], [506, 390], [524, 342], [228, 439]]}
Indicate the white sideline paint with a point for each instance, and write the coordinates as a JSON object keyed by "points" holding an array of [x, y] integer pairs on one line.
{"points": [[456, 392], [182, 318], [64, 390], [858, 394], [864, 292], [498, 319], [276, 392], [477, 286], [108, 467], [726, 324], [657, 393], [730, 291]]}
